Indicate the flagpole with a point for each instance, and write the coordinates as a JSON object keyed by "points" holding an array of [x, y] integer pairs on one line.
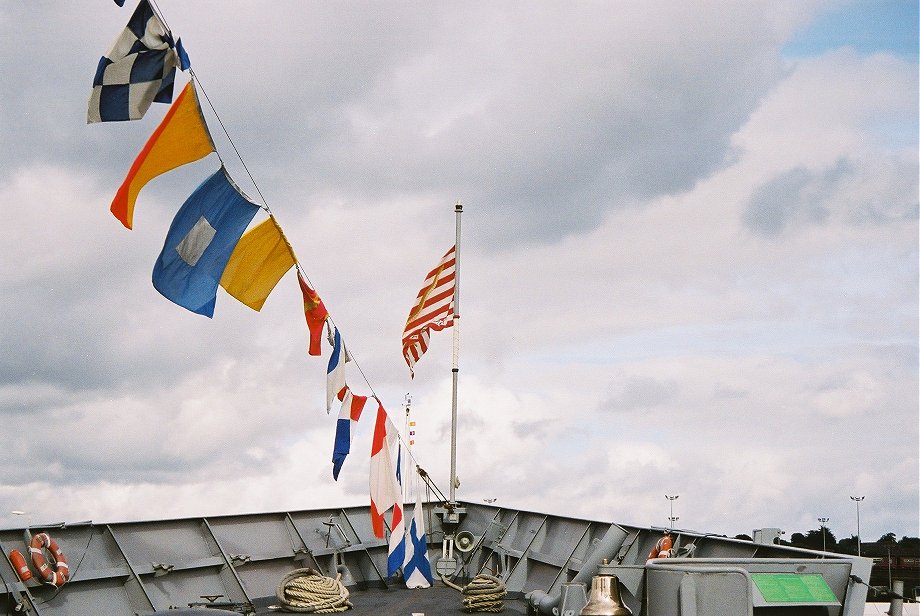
{"points": [[455, 368], [452, 513]]}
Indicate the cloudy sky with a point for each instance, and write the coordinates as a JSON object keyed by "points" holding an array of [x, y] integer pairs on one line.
{"points": [[689, 260]]}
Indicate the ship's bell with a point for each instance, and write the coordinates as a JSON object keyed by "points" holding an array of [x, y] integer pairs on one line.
{"points": [[605, 598]]}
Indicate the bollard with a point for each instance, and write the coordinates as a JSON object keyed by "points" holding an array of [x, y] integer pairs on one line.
{"points": [[897, 601]]}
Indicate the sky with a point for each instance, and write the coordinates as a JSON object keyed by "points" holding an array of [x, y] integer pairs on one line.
{"points": [[688, 266]]}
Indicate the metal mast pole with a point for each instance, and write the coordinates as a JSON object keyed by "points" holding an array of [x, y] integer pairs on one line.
{"points": [[452, 513], [455, 367]]}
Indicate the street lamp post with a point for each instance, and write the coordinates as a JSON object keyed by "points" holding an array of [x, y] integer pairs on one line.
{"points": [[823, 533], [671, 500], [889, 568], [858, 500]]}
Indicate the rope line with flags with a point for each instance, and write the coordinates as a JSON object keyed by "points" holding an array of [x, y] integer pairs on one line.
{"points": [[211, 245]]}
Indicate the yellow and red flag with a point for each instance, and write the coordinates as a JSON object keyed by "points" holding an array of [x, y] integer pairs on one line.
{"points": [[182, 137]]}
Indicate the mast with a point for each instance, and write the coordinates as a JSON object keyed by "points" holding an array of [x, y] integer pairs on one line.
{"points": [[451, 513], [455, 364]]}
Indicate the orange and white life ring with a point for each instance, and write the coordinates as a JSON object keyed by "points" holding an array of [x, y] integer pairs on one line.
{"points": [[57, 575], [662, 548]]}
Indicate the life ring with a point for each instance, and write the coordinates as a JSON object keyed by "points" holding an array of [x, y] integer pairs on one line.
{"points": [[57, 575], [662, 548]]}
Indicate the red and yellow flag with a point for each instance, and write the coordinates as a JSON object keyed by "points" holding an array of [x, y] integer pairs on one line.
{"points": [[182, 137], [316, 313]]}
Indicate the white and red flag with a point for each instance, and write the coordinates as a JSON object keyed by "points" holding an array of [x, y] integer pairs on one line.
{"points": [[433, 309], [385, 488]]}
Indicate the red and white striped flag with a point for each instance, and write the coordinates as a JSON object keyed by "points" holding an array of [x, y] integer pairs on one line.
{"points": [[433, 309]]}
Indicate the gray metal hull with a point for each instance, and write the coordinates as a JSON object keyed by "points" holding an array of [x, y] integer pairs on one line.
{"points": [[233, 561]]}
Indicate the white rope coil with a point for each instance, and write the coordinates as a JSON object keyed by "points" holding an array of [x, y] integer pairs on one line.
{"points": [[306, 591]]}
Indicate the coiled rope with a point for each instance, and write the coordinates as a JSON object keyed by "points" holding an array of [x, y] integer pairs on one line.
{"points": [[484, 593], [305, 590]]}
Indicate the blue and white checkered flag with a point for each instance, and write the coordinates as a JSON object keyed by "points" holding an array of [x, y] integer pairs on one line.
{"points": [[138, 70]]}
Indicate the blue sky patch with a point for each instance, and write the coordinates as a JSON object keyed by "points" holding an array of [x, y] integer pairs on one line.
{"points": [[868, 27]]}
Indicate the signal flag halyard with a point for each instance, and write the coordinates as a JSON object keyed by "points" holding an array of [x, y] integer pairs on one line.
{"points": [[433, 309]]}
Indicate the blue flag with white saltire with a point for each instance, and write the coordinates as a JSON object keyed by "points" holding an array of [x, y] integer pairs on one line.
{"points": [[201, 238], [138, 70], [417, 569]]}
